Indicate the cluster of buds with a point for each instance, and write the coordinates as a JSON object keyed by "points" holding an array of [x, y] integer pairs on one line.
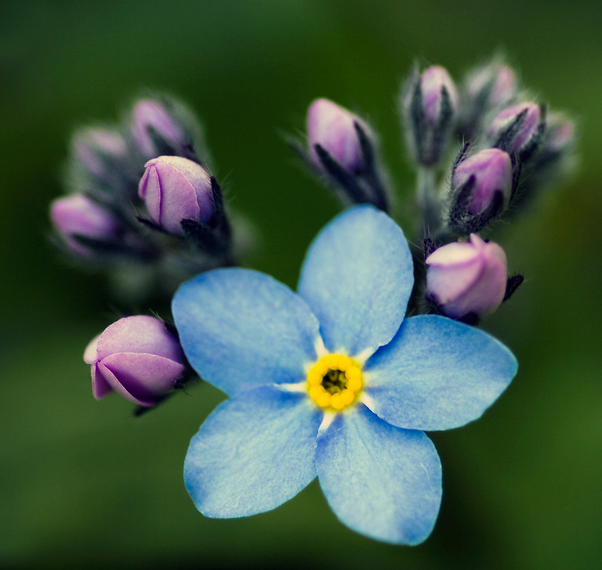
{"points": [[509, 146], [144, 207], [506, 147], [142, 198]]}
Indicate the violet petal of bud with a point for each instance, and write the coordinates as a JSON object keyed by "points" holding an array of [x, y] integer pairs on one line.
{"points": [[525, 130], [149, 113], [140, 378], [332, 127], [175, 189], [137, 357], [467, 277], [492, 169], [100, 387], [77, 214]]}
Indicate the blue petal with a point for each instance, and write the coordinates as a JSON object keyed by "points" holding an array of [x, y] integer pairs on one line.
{"points": [[253, 453], [437, 374], [357, 279], [241, 329], [380, 480]]}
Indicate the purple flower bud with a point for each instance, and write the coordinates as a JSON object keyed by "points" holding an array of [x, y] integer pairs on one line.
{"points": [[466, 278], [499, 80], [555, 157], [560, 133], [433, 80], [149, 113], [176, 189], [492, 171], [332, 127], [430, 107], [519, 134], [138, 358], [77, 214], [91, 145]]}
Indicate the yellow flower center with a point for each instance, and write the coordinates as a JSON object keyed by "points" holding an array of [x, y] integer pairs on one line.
{"points": [[335, 382]]}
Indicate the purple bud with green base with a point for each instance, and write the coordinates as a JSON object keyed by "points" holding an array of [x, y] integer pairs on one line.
{"points": [[430, 107], [333, 128], [467, 279], [492, 172], [555, 158], [136, 357], [92, 147], [495, 82], [434, 81], [78, 215], [176, 189], [560, 133], [148, 116], [486, 87], [516, 129]]}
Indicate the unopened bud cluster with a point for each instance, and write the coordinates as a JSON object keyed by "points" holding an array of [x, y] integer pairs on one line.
{"points": [[480, 148], [142, 199], [506, 148], [143, 207]]}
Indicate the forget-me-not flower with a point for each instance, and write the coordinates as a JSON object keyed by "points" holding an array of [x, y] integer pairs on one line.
{"points": [[332, 382]]}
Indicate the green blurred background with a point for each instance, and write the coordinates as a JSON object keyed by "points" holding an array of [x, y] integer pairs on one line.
{"points": [[83, 483]]}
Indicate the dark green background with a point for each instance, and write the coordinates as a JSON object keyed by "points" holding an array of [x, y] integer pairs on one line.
{"points": [[82, 483]]}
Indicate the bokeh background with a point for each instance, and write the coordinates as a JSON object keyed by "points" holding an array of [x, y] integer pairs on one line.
{"points": [[85, 484]]}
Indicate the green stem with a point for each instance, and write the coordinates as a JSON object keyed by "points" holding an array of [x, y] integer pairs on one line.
{"points": [[427, 201]]}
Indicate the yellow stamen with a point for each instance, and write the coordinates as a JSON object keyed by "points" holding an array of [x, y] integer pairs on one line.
{"points": [[313, 378], [331, 361], [316, 391], [323, 400], [354, 373], [336, 402], [335, 382], [347, 396]]}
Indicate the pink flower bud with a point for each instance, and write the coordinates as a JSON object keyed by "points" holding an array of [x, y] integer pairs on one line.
{"points": [[525, 131], [149, 113], [138, 358], [466, 278], [492, 171], [77, 214], [433, 80], [498, 79], [176, 189], [332, 127], [91, 145]]}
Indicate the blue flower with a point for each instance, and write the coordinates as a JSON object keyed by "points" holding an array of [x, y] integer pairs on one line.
{"points": [[332, 382]]}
